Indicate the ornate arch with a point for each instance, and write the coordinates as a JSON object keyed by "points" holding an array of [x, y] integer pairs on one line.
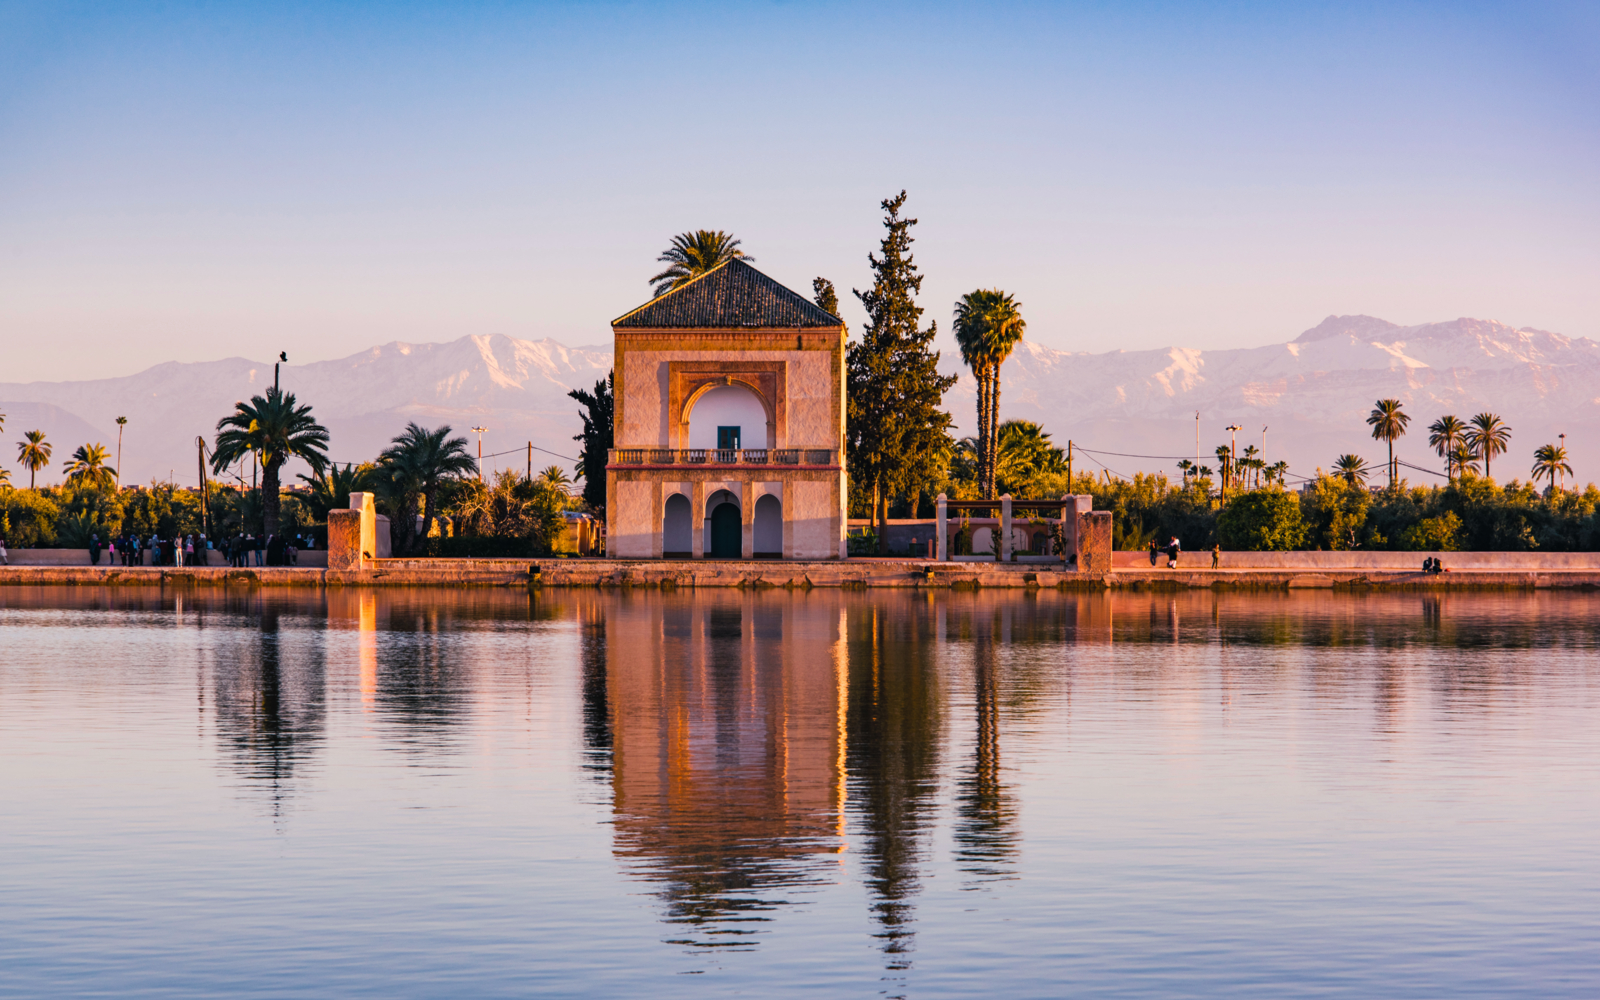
{"points": [[688, 381]]}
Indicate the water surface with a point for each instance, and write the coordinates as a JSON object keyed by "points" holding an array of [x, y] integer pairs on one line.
{"points": [[409, 793]]}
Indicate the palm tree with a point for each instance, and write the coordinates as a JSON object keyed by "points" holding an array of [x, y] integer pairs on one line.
{"points": [[121, 423], [1250, 464], [694, 254], [415, 463], [988, 324], [331, 488], [1228, 467], [88, 467], [1444, 435], [1465, 459], [1352, 467], [1186, 467], [1488, 437], [33, 454], [274, 428], [555, 477], [1388, 422], [1025, 451], [1550, 461]]}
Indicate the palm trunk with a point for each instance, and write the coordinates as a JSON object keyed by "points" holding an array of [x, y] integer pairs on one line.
{"points": [[982, 379], [994, 425], [880, 509], [269, 496], [429, 511]]}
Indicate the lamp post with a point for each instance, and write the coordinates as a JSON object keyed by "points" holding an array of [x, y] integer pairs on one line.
{"points": [[480, 431], [283, 358], [1233, 449], [1563, 437]]}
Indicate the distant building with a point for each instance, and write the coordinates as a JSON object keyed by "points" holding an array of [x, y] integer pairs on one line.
{"points": [[729, 424]]}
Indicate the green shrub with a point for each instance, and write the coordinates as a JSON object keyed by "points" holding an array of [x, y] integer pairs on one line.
{"points": [[1433, 534], [1265, 520], [30, 518]]}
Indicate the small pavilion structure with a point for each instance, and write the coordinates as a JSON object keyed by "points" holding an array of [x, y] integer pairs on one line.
{"points": [[729, 424]]}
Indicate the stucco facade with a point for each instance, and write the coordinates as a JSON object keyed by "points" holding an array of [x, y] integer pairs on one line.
{"points": [[731, 342]]}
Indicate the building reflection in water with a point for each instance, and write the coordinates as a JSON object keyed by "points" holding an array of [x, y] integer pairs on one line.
{"points": [[726, 743], [270, 703]]}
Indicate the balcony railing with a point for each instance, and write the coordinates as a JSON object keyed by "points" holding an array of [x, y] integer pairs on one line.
{"points": [[724, 456]]}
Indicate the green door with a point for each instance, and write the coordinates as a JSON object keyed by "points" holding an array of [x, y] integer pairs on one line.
{"points": [[726, 532]]}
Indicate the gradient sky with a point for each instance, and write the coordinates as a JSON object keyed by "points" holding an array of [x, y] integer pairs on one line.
{"points": [[195, 181]]}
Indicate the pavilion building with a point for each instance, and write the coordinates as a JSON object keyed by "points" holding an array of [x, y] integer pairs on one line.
{"points": [[729, 424]]}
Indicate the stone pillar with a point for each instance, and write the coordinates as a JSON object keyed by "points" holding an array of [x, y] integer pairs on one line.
{"points": [[697, 522], [344, 540], [747, 520], [1004, 548], [365, 503], [1094, 544], [944, 528]]}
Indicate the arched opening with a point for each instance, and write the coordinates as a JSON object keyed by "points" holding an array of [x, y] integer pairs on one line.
{"points": [[677, 525], [728, 416], [769, 528], [724, 527]]}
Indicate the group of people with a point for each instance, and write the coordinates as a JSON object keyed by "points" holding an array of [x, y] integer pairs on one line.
{"points": [[1173, 549], [1432, 565], [192, 550], [270, 550], [132, 550]]}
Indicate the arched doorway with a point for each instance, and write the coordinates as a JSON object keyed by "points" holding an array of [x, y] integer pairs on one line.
{"points": [[769, 528], [677, 526], [724, 526]]}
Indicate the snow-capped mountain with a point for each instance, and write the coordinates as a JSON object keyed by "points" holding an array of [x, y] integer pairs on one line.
{"points": [[1313, 392], [515, 388]]}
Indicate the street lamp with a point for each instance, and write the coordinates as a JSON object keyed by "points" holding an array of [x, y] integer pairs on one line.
{"points": [[1563, 437], [283, 358], [480, 431], [1233, 449]]}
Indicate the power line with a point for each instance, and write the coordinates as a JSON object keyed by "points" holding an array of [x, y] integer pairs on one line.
{"points": [[1122, 454]]}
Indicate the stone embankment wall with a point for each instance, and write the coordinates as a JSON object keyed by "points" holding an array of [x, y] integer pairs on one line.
{"points": [[1310, 561], [853, 573], [315, 559]]}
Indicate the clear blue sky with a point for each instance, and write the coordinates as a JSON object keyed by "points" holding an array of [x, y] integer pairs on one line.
{"points": [[192, 181]]}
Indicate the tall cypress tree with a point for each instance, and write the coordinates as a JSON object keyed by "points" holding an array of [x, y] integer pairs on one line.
{"points": [[896, 432], [598, 438]]}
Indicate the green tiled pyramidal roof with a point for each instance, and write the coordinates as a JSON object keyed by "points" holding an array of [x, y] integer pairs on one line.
{"points": [[733, 294]]}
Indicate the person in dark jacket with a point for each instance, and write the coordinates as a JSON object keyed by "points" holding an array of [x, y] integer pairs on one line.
{"points": [[94, 550]]}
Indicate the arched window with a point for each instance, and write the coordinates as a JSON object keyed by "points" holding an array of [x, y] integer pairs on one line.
{"points": [[729, 416]]}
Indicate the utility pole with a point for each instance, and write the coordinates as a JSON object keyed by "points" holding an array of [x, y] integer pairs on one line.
{"points": [[283, 357], [1233, 449], [480, 431], [1069, 465], [1263, 454], [530, 461], [1563, 436], [1197, 442], [121, 423], [205, 508]]}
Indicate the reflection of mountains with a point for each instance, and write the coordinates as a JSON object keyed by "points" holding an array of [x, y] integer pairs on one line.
{"points": [[726, 744]]}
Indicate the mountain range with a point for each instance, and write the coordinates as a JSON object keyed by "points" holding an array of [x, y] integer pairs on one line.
{"points": [[1313, 394]]}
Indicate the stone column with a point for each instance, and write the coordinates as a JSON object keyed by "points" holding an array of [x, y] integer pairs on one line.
{"points": [[944, 528], [747, 520], [1004, 548], [697, 522]]}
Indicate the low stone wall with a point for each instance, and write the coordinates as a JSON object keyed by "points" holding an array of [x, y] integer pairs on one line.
{"points": [[1398, 561], [315, 559]]}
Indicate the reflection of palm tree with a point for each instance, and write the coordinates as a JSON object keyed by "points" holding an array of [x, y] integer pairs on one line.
{"points": [[1489, 437], [270, 708], [985, 832], [892, 759]]}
